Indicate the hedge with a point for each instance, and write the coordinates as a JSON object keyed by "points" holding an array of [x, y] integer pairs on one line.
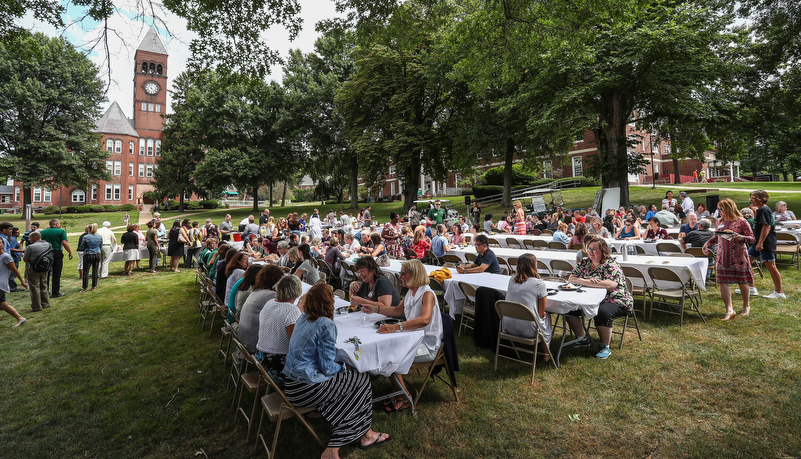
{"points": [[482, 191], [209, 204], [494, 176], [126, 207], [50, 210]]}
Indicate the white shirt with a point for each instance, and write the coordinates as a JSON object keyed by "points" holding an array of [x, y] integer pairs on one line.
{"points": [[687, 205], [108, 237], [274, 318], [316, 227], [413, 308]]}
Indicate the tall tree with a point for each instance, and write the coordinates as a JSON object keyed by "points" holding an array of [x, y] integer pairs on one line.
{"points": [[312, 81], [182, 149], [397, 105], [237, 120], [50, 97]]}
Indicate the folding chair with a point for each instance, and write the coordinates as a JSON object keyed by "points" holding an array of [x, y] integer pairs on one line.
{"points": [[548, 232], [641, 288], [698, 252], [410, 254], [470, 257], [332, 278], [557, 245], [539, 244], [576, 247], [432, 259], [439, 360], [252, 381], [451, 258], [469, 310], [340, 293], [561, 265], [786, 245], [677, 291], [277, 407], [439, 291], [664, 248], [519, 311], [492, 242], [513, 243], [623, 322], [468, 238], [536, 232], [512, 262], [543, 268]]}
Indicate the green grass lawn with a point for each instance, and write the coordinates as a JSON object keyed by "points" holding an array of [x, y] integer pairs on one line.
{"points": [[126, 372]]}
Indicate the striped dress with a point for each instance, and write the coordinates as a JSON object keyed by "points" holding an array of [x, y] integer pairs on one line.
{"points": [[520, 222], [344, 401]]}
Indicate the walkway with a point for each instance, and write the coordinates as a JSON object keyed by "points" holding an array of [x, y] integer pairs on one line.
{"points": [[747, 190]]}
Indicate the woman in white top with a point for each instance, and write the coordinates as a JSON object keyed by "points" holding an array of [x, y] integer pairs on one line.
{"points": [[782, 214], [422, 312], [248, 332], [670, 200], [527, 288], [316, 226], [276, 323], [347, 225]]}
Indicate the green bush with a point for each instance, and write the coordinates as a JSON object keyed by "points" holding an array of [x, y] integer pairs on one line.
{"points": [[88, 208], [72, 209], [172, 203], [50, 210], [494, 176], [209, 204], [96, 208], [482, 191], [126, 207], [110, 208], [191, 205]]}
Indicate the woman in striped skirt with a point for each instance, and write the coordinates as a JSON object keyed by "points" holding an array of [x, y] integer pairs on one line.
{"points": [[340, 393]]}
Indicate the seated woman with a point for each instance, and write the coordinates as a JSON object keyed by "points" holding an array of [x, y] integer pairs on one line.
{"points": [[276, 321], [457, 238], [782, 214], [307, 271], [473, 232], [377, 250], [488, 225], [420, 243], [421, 310], [333, 255], [313, 379], [578, 237], [527, 288], [559, 235], [629, 230], [655, 231], [352, 244], [597, 227], [243, 288], [506, 224], [234, 270], [701, 211], [375, 290], [600, 270], [248, 332]]}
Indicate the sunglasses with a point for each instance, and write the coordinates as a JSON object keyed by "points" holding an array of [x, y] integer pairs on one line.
{"points": [[404, 272]]}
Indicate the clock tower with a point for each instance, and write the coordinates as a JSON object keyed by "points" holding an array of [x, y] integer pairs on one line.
{"points": [[150, 86]]}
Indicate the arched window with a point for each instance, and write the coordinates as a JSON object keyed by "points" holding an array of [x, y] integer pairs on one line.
{"points": [[158, 147], [152, 68], [144, 67], [158, 69], [109, 145], [118, 146], [150, 147], [78, 196], [131, 147]]}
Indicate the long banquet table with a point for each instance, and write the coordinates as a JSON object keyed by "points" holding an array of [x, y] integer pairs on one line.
{"points": [[687, 268], [648, 247]]}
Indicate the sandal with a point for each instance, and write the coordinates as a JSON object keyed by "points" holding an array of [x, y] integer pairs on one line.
{"points": [[378, 441], [392, 409]]}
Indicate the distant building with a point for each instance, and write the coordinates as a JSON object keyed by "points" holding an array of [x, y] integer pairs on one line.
{"points": [[134, 144]]}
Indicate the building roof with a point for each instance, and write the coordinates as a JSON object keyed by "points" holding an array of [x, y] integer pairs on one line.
{"points": [[5, 189], [114, 121], [152, 43]]}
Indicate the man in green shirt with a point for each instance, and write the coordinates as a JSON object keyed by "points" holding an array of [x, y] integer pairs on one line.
{"points": [[437, 214], [57, 238]]}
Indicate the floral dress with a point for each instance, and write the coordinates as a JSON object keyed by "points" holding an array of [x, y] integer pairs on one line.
{"points": [[608, 270], [520, 222], [394, 246], [732, 265]]}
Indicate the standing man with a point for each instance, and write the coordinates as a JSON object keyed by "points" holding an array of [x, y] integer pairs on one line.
{"points": [[34, 227], [368, 217], [250, 228], [226, 228], [160, 227], [57, 238], [687, 204], [109, 245], [765, 233], [36, 281], [437, 214], [264, 217]]}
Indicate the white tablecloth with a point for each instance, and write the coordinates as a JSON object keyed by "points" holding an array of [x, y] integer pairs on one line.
{"points": [[143, 255], [687, 268], [382, 354], [649, 247]]}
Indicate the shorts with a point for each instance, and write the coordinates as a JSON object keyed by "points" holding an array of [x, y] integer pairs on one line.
{"points": [[2, 296], [764, 254]]}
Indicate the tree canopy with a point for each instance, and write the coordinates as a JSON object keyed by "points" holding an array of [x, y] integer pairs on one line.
{"points": [[50, 97]]}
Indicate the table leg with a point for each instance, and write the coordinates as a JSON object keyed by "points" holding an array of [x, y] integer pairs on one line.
{"points": [[402, 392]]}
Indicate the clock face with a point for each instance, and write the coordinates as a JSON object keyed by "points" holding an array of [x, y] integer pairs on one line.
{"points": [[151, 88]]}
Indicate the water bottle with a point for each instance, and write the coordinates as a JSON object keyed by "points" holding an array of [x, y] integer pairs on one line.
{"points": [[625, 252]]}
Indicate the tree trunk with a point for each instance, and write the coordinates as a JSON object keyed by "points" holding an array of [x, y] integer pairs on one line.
{"points": [[271, 194], [676, 172], [411, 183], [354, 182], [617, 113], [283, 196], [181, 202], [27, 198], [507, 173], [255, 199]]}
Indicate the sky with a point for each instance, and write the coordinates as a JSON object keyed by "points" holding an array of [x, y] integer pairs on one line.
{"points": [[131, 29]]}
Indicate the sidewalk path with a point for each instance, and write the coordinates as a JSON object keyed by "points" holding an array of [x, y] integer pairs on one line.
{"points": [[747, 190]]}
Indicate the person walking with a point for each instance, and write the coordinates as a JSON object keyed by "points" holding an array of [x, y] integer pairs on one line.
{"points": [[109, 245], [57, 238], [37, 281]]}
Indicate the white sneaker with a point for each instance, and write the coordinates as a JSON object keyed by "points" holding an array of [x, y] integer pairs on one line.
{"points": [[753, 291], [775, 296]]}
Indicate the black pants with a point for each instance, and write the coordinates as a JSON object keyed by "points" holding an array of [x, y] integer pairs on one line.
{"points": [[90, 260], [12, 284], [55, 272]]}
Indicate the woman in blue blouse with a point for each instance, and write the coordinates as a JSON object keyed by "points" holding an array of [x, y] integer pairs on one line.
{"points": [[560, 234], [629, 230], [600, 270], [90, 245], [340, 393]]}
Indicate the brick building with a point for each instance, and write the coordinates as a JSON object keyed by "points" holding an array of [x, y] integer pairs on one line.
{"points": [[134, 144]]}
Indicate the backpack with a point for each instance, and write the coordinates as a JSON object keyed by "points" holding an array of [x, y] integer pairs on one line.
{"points": [[43, 263]]}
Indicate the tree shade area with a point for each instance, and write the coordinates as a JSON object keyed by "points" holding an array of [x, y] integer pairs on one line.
{"points": [[426, 89]]}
